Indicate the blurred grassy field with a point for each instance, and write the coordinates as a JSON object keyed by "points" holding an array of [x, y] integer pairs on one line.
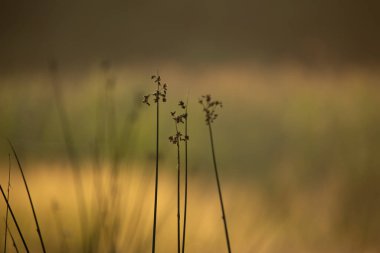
{"points": [[298, 149]]}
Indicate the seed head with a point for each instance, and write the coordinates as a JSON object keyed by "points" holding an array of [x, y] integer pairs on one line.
{"points": [[179, 119], [209, 107], [160, 92]]}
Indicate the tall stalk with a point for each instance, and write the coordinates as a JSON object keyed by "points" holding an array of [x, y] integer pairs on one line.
{"points": [[209, 107], [178, 195], [219, 190], [185, 197], [156, 179], [176, 139], [159, 94]]}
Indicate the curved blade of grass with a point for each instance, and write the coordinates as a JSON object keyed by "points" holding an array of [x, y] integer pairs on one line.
{"points": [[6, 213], [14, 220], [29, 196]]}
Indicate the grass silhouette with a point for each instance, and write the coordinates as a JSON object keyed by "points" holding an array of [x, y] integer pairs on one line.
{"points": [[176, 139], [209, 108], [159, 94]]}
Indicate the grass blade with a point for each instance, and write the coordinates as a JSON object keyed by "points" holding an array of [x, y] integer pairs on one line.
{"points": [[14, 220], [29, 196], [6, 213]]}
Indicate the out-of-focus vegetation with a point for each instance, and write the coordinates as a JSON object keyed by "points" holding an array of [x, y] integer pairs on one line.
{"points": [[298, 151]]}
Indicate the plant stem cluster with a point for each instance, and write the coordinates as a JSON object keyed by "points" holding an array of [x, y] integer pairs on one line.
{"points": [[176, 139], [210, 107]]}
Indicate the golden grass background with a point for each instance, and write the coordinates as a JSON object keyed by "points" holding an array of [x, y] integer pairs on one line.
{"points": [[298, 151]]}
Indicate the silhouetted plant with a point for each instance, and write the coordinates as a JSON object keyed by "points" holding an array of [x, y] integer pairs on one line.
{"points": [[185, 106], [176, 139], [158, 95], [209, 107]]}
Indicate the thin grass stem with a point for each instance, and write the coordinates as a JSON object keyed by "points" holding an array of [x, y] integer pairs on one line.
{"points": [[159, 94], [219, 189], [185, 197], [156, 179], [178, 194]]}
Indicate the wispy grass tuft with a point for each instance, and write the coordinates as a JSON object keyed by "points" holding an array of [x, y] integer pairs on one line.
{"points": [[209, 107], [72, 154]]}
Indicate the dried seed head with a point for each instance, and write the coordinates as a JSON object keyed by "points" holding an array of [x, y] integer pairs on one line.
{"points": [[182, 104], [160, 93], [179, 119], [209, 107]]}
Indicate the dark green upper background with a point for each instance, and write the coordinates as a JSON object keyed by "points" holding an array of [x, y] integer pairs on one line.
{"points": [[309, 31]]}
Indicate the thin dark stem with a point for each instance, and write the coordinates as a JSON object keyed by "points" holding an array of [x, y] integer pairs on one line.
{"points": [[14, 220], [13, 240], [178, 195], [156, 181], [219, 190], [6, 213], [185, 197], [30, 198]]}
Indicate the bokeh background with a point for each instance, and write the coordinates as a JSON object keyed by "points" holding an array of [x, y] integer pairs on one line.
{"points": [[297, 141]]}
